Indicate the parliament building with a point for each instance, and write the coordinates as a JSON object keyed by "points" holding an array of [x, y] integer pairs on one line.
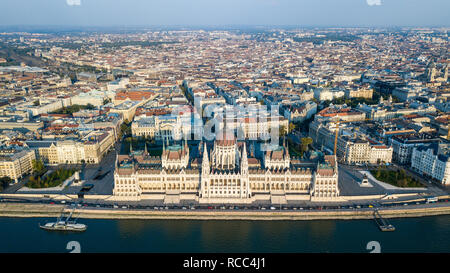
{"points": [[224, 172]]}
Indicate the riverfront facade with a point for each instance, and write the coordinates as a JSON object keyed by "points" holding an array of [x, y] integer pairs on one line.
{"points": [[226, 173]]}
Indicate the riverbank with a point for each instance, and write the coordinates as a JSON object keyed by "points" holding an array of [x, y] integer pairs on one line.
{"points": [[43, 210]]}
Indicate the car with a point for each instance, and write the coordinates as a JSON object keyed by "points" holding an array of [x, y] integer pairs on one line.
{"points": [[63, 202], [85, 205], [124, 207], [116, 206], [405, 204], [294, 208], [222, 207], [370, 206], [300, 208], [166, 207], [210, 207], [272, 208], [192, 208], [79, 205], [52, 203], [98, 206], [155, 208], [263, 208]]}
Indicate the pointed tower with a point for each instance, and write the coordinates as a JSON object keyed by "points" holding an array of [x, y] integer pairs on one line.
{"points": [[244, 160], [131, 146], [205, 161], [145, 148], [287, 156], [205, 174], [244, 187]]}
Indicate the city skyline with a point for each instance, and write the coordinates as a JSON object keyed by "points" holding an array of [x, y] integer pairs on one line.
{"points": [[324, 13]]}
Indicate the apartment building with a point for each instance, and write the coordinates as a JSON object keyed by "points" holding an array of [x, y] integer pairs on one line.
{"points": [[433, 161], [16, 162]]}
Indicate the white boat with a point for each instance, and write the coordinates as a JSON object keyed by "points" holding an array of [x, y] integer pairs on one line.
{"points": [[64, 225]]}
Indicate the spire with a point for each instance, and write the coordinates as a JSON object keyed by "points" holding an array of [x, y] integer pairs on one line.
{"points": [[186, 147], [205, 161], [145, 148], [244, 154], [131, 145], [205, 151], [244, 161]]}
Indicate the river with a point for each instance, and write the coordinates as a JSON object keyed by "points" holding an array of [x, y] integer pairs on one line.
{"points": [[424, 234]]}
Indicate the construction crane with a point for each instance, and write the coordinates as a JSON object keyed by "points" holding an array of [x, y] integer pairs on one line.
{"points": [[338, 123]]}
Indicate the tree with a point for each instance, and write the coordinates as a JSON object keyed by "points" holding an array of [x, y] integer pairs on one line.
{"points": [[305, 142], [4, 182], [38, 166], [125, 128], [291, 127], [282, 131]]}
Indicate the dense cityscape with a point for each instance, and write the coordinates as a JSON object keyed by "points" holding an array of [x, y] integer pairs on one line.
{"points": [[267, 116]]}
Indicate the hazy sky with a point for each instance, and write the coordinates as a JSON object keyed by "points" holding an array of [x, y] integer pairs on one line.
{"points": [[226, 12]]}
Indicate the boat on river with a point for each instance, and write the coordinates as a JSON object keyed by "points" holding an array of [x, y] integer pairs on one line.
{"points": [[66, 224]]}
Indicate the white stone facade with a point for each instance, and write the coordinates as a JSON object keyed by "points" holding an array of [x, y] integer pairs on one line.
{"points": [[224, 176]]}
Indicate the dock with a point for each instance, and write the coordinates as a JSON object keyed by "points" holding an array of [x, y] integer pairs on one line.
{"points": [[383, 224]]}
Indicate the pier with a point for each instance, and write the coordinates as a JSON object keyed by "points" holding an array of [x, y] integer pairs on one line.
{"points": [[382, 223]]}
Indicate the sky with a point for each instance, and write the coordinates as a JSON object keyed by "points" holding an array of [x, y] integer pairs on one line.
{"points": [[325, 13]]}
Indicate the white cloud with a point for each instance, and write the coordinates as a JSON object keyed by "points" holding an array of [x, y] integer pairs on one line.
{"points": [[73, 2], [374, 2]]}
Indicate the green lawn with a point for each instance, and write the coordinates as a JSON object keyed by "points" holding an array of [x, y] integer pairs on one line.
{"points": [[54, 179], [397, 178]]}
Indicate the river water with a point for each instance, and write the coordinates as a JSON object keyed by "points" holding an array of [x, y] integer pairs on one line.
{"points": [[424, 234]]}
